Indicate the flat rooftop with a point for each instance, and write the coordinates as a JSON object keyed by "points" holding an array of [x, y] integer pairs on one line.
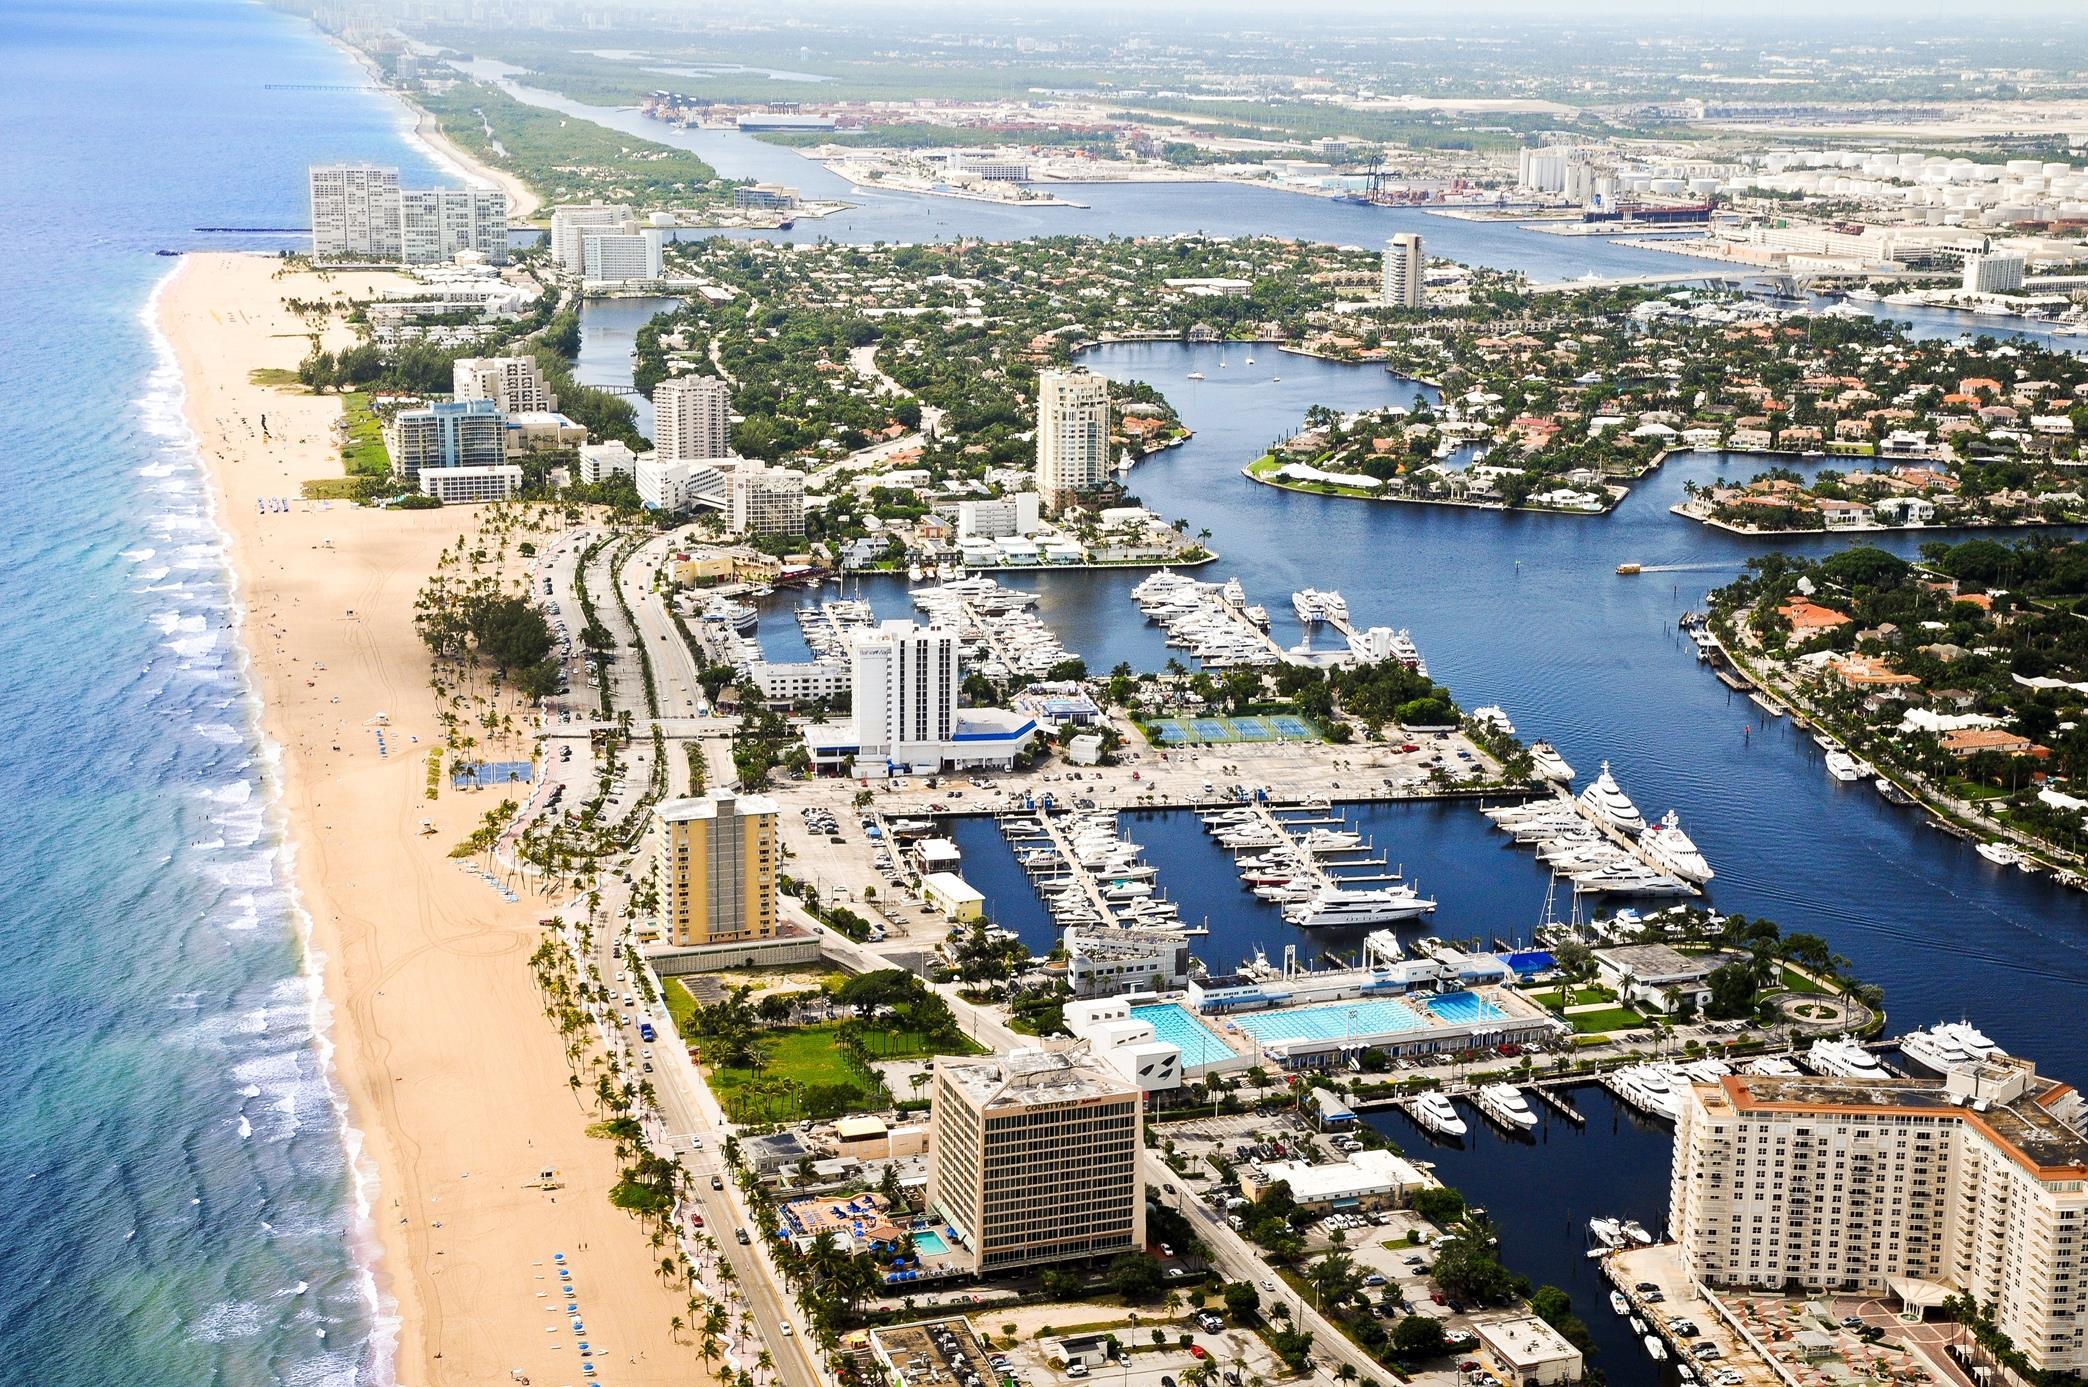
{"points": [[1035, 1077], [2022, 1124]]}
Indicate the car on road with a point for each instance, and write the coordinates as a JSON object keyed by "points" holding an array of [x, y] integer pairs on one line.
{"points": [[1197, 1351], [787, 1330], [739, 1235], [1268, 1285], [717, 1182]]}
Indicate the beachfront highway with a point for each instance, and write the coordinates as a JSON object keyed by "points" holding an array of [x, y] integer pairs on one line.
{"points": [[688, 1123]]}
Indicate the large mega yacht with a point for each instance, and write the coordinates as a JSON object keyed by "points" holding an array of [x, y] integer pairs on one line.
{"points": [[1671, 849], [1611, 805], [1336, 906]]}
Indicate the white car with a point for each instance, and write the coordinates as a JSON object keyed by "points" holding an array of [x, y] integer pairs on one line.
{"points": [[787, 1330]]}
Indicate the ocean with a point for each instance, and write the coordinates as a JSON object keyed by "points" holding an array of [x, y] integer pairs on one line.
{"points": [[190, 1207], [188, 1204]]}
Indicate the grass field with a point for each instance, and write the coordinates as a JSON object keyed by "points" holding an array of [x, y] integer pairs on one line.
{"points": [[804, 1072], [1608, 1019], [364, 453], [1795, 981], [1558, 997]]}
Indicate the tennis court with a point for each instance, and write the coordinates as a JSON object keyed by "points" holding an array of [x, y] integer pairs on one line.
{"points": [[1276, 727]]}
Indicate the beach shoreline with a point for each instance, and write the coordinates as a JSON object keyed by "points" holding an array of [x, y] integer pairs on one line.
{"points": [[426, 131], [455, 1087]]}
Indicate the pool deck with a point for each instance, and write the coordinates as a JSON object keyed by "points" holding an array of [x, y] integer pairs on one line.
{"points": [[1406, 1023]]}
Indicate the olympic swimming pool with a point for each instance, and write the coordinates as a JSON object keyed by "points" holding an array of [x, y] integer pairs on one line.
{"points": [[1363, 1018], [1177, 1025]]}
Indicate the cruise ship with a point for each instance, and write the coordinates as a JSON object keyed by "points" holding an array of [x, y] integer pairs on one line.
{"points": [[1505, 1104], [1950, 1047], [1438, 1114], [1671, 850], [1844, 1059], [1552, 766], [1337, 907], [1609, 804]]}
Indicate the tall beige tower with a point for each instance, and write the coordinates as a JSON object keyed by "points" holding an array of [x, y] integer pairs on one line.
{"points": [[1072, 434], [717, 859]]}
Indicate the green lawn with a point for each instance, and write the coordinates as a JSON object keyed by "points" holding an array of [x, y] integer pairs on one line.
{"points": [[364, 453], [1557, 997], [1608, 1019], [1795, 981], [680, 1005], [801, 1073]]}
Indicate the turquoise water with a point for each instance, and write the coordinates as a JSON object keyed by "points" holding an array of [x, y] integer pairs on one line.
{"points": [[1178, 1026], [1463, 1008], [1335, 1021], [185, 1209], [929, 1243]]}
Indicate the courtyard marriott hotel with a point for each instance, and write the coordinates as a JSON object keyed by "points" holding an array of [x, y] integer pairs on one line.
{"points": [[1034, 1157], [1913, 1189]]}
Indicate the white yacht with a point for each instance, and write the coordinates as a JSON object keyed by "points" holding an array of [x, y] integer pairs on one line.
{"points": [[1844, 1059], [1438, 1114], [1505, 1104], [1671, 850], [1771, 1067], [1952, 1046], [1610, 805], [1843, 766], [1609, 1233], [1337, 907], [2000, 854], [1310, 605], [1495, 717], [1549, 763]]}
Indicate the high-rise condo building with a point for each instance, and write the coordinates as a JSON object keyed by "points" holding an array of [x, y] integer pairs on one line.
{"points": [[355, 212], [1402, 271], [571, 222], [1034, 1157], [717, 858], [360, 212], [690, 416], [1975, 1183], [436, 224], [515, 383], [619, 257], [1072, 434], [905, 680], [765, 500], [454, 450]]}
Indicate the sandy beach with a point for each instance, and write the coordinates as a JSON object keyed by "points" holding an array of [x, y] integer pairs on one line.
{"points": [[452, 1072]]}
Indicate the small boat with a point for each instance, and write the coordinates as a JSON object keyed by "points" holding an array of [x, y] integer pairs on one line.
{"points": [[1891, 791], [1619, 1304], [1627, 570], [2000, 854], [1654, 1348], [1636, 1231], [1196, 375], [1606, 1231]]}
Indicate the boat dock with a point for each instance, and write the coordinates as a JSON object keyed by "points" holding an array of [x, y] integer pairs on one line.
{"points": [[1559, 1105], [1085, 881]]}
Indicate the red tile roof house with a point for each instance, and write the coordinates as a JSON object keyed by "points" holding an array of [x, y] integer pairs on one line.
{"points": [[1971, 741], [1807, 618]]}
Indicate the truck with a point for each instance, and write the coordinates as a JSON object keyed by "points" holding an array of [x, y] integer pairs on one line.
{"points": [[646, 1032]]}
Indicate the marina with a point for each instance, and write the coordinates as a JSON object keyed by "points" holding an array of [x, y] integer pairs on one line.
{"points": [[1602, 844]]}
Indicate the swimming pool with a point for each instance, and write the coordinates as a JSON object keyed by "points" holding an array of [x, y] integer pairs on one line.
{"points": [[1334, 1021], [929, 1243], [1178, 1026], [1463, 1008]]}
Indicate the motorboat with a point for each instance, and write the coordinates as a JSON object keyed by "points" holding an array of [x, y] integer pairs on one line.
{"points": [[1610, 805], [1771, 1067], [1505, 1104], [1671, 850], [1619, 1304], [1438, 1114], [1844, 1059], [1609, 1233], [1549, 764], [2000, 854], [1636, 1231], [1843, 766], [1494, 717], [1951, 1047], [1654, 1348], [1336, 906]]}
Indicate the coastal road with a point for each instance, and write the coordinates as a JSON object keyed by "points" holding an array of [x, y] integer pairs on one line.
{"points": [[693, 1128]]}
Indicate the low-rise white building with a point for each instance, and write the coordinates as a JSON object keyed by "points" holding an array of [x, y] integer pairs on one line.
{"points": [[472, 485], [1525, 1351], [599, 461], [1373, 1179]]}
